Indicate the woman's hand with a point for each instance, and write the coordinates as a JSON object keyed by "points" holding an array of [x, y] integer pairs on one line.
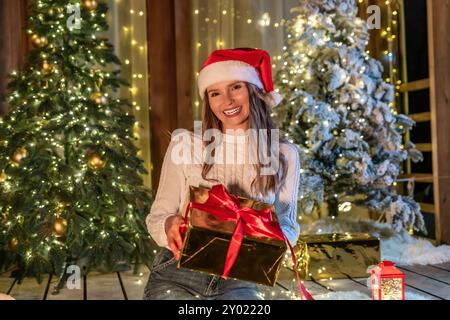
{"points": [[172, 226]]}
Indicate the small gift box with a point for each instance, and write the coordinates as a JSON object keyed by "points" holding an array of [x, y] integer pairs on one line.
{"points": [[232, 236], [334, 256]]}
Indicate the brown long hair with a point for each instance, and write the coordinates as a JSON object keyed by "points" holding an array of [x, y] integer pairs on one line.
{"points": [[260, 119]]}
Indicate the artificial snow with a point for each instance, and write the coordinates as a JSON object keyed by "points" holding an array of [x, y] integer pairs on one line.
{"points": [[398, 247]]}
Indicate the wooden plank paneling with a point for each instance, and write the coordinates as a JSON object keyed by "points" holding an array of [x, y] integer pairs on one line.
{"points": [[65, 293], [170, 74], [163, 80], [427, 207], [421, 117], [431, 272], [13, 41], [30, 289], [346, 285], [102, 286], [427, 285], [443, 266], [419, 177], [415, 85], [287, 280], [135, 283], [184, 63], [439, 47], [431, 281], [5, 283], [424, 147]]}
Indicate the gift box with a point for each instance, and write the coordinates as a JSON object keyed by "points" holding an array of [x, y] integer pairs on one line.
{"points": [[212, 220], [336, 256]]}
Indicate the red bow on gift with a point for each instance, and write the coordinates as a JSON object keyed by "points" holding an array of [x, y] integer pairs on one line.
{"points": [[249, 222]]}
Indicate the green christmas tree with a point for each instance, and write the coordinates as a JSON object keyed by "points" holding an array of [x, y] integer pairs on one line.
{"points": [[340, 112], [71, 191]]}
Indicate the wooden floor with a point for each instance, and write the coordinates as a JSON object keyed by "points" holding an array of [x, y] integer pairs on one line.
{"points": [[431, 282]]}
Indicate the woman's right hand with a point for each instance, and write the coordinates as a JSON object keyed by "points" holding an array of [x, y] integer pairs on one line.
{"points": [[172, 226]]}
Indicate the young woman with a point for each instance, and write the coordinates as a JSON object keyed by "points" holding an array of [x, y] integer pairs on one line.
{"points": [[237, 90]]}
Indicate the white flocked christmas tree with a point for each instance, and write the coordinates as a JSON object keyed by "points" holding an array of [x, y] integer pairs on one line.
{"points": [[340, 112]]}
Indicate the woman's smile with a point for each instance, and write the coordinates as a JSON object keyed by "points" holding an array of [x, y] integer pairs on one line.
{"points": [[232, 112]]}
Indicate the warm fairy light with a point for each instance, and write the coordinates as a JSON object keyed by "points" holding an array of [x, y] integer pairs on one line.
{"points": [[265, 20]]}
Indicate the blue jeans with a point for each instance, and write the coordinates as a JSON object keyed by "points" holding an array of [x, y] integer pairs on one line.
{"points": [[168, 282]]}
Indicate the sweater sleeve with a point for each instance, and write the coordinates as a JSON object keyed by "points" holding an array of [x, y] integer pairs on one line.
{"points": [[168, 196], [286, 199]]}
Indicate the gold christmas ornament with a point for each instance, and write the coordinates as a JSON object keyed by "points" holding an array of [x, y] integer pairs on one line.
{"points": [[46, 67], [13, 243], [60, 226], [38, 41], [19, 154], [3, 177], [95, 162], [5, 215], [98, 98], [89, 4]]}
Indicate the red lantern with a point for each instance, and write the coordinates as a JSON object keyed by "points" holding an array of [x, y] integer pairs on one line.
{"points": [[388, 283]]}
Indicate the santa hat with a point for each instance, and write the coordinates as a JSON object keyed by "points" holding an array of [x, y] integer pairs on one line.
{"points": [[244, 64]]}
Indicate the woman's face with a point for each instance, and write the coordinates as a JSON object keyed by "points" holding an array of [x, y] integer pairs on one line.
{"points": [[229, 100]]}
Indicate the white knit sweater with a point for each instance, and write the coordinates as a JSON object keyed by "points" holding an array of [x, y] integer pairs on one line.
{"points": [[173, 191]]}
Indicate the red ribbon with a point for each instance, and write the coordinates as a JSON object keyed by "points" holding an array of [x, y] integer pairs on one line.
{"points": [[249, 222]]}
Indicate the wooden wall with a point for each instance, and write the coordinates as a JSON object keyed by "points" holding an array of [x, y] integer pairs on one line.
{"points": [[13, 41], [439, 63], [170, 63]]}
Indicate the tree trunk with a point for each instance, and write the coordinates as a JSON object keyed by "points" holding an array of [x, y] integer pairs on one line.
{"points": [[333, 209]]}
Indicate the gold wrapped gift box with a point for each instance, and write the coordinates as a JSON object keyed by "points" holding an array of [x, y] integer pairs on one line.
{"points": [[207, 240], [336, 256]]}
